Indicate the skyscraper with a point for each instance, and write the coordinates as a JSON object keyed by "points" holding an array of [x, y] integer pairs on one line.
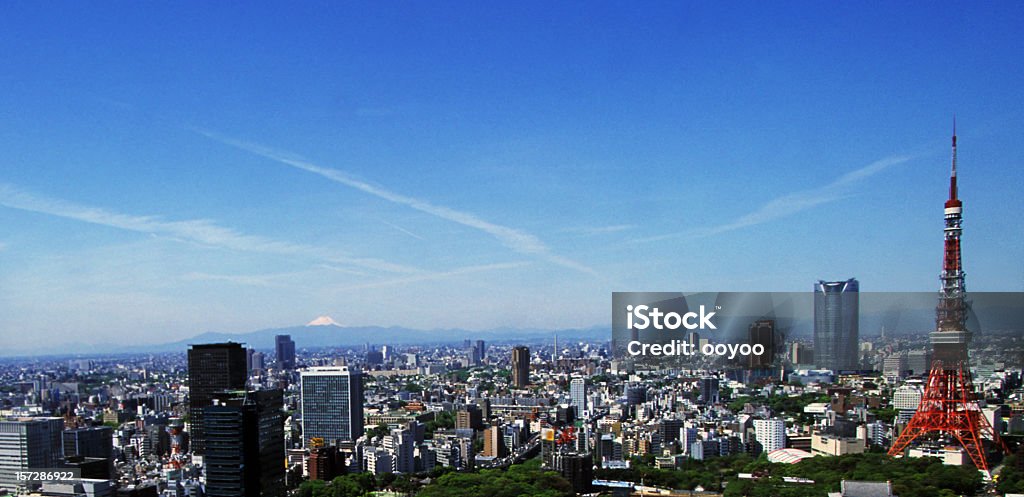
{"points": [[836, 314], [244, 444], [520, 366], [481, 349], [212, 368], [332, 404], [285, 350], [28, 443], [578, 394], [762, 332]]}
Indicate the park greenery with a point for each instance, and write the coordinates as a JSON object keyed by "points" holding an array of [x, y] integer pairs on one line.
{"points": [[917, 477], [782, 404], [519, 480], [1011, 478], [708, 473], [910, 477]]}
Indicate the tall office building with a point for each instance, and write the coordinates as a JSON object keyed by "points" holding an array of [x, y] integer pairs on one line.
{"points": [[244, 444], [28, 443], [212, 368], [481, 349], [285, 350], [472, 354], [762, 332], [836, 311], [520, 367], [578, 394], [258, 363], [332, 404]]}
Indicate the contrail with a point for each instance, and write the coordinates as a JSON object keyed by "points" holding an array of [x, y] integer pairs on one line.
{"points": [[517, 240]]}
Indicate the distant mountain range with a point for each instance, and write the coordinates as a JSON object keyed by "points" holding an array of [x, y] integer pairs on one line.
{"points": [[325, 332], [898, 313]]}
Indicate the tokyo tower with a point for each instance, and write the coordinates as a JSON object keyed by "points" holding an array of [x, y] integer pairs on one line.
{"points": [[949, 409]]}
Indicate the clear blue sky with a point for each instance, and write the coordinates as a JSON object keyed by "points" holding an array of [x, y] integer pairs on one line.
{"points": [[173, 169]]}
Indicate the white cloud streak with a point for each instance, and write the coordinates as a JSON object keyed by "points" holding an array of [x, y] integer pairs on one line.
{"points": [[600, 230], [792, 203], [405, 280], [517, 240], [237, 279], [401, 229], [201, 231]]}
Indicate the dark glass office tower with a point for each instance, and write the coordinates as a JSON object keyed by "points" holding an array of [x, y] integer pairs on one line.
{"points": [[285, 350], [245, 444], [212, 368], [836, 310], [762, 332]]}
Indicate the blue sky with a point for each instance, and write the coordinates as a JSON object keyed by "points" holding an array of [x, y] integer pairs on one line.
{"points": [[169, 170]]}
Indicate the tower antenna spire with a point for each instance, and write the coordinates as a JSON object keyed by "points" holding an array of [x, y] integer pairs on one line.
{"points": [[954, 144], [953, 200]]}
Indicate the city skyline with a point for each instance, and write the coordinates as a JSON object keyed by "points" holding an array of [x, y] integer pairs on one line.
{"points": [[464, 168]]}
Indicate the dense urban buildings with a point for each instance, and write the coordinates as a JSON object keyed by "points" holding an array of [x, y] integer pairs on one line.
{"points": [[393, 417]]}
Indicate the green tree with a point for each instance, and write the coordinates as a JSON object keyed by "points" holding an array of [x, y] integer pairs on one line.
{"points": [[343, 486], [518, 481], [379, 431]]}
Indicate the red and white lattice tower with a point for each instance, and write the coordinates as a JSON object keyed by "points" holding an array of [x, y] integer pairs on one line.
{"points": [[949, 409]]}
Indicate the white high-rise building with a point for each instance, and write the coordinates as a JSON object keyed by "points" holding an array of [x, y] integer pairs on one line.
{"points": [[771, 433], [578, 394]]}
